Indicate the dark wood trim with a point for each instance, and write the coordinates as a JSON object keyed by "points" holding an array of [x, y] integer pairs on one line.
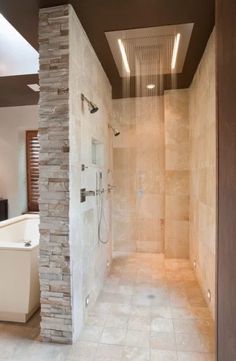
{"points": [[226, 108], [3, 209], [100, 16], [33, 205]]}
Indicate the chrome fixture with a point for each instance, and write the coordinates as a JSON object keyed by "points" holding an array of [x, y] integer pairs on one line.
{"points": [[83, 167], [101, 214], [93, 108], [209, 295], [27, 244], [84, 194], [61, 91], [110, 188], [116, 132], [87, 299]]}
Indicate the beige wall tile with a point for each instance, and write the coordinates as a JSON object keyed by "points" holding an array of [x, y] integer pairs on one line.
{"points": [[150, 205], [178, 230], [125, 229], [176, 249], [176, 105], [203, 171], [177, 239], [177, 165], [177, 208], [124, 159], [150, 158], [150, 181], [125, 180], [150, 230], [176, 131], [149, 247], [156, 148], [177, 156], [138, 172], [177, 182]]}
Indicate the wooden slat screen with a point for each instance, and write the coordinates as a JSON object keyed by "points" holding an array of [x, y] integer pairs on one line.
{"points": [[32, 154]]}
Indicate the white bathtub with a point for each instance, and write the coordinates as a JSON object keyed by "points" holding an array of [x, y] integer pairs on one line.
{"points": [[19, 275]]}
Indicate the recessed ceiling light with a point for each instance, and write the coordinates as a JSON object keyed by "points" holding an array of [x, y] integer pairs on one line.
{"points": [[175, 51], [151, 86], [34, 87], [124, 56]]}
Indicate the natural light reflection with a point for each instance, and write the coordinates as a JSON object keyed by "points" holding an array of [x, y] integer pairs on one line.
{"points": [[17, 56]]}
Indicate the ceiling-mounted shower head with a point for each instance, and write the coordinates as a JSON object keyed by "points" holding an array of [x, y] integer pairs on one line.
{"points": [[115, 131], [93, 108]]}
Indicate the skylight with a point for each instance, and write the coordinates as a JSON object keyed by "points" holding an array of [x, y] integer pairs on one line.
{"points": [[17, 56]]}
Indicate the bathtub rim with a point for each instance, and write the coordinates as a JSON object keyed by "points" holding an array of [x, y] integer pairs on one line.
{"points": [[18, 219], [18, 246]]}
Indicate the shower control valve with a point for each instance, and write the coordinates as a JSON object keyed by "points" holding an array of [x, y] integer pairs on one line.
{"points": [[110, 188], [84, 194]]}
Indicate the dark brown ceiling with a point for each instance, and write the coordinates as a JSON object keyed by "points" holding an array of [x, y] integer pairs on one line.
{"points": [[99, 16]]}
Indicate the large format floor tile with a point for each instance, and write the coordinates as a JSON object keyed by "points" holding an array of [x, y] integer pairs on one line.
{"points": [[150, 309]]}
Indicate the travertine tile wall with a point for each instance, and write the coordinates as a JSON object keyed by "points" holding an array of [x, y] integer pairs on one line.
{"points": [[72, 263], [138, 212], [89, 257], [151, 174], [203, 171], [177, 173]]}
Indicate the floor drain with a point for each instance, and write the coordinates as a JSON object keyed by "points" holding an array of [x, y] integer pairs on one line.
{"points": [[151, 297]]}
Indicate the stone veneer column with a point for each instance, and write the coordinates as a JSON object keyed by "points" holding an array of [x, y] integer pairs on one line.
{"points": [[55, 272]]}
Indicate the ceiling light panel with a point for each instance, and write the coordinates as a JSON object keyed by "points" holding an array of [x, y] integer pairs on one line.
{"points": [[150, 51], [124, 56], [175, 51], [17, 56]]}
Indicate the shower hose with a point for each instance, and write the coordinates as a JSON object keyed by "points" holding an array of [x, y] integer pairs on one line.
{"points": [[101, 212]]}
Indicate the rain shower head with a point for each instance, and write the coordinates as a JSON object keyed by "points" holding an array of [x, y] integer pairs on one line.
{"points": [[115, 131], [93, 108]]}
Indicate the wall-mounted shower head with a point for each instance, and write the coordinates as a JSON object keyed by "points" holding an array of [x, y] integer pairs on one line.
{"points": [[115, 131], [93, 108]]}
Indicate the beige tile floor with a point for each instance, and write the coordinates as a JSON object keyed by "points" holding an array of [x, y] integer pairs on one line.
{"points": [[150, 309]]}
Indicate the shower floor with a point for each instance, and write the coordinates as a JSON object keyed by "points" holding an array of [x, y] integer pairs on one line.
{"points": [[150, 309]]}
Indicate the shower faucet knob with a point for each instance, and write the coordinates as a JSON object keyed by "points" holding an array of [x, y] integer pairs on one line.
{"points": [[83, 167]]}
